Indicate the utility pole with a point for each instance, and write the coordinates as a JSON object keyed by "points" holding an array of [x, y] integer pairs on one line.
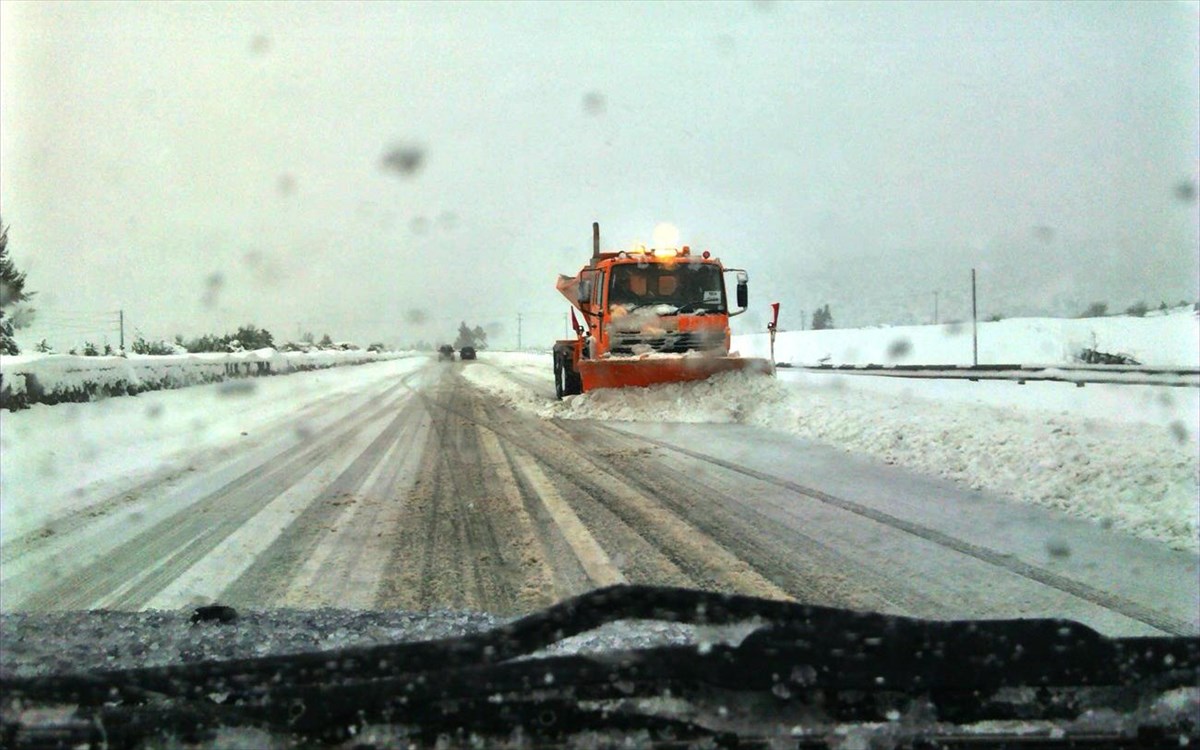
{"points": [[803, 322], [935, 308], [974, 323], [518, 331], [121, 313]]}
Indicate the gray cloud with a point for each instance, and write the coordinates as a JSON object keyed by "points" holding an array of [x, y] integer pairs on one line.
{"points": [[860, 155]]}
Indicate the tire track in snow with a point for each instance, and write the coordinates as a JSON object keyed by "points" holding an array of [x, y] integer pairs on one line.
{"points": [[809, 570], [238, 517], [640, 560], [591, 555], [461, 542], [705, 562], [851, 560], [1012, 564], [131, 573], [542, 586], [346, 567], [166, 481], [268, 580]]}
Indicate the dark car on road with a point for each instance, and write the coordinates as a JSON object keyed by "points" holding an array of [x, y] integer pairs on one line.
{"points": [[446, 353], [467, 352]]}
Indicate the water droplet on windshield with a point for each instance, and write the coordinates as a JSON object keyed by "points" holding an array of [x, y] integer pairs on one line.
{"points": [[804, 675], [212, 288], [237, 388], [594, 103], [405, 160], [1058, 548], [899, 348]]}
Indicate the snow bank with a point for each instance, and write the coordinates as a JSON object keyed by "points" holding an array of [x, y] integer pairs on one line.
{"points": [[55, 378], [1143, 478], [1167, 340]]}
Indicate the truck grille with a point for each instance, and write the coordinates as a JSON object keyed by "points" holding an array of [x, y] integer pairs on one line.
{"points": [[671, 342]]}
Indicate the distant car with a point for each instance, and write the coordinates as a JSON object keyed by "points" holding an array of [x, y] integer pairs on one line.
{"points": [[467, 352], [446, 353]]}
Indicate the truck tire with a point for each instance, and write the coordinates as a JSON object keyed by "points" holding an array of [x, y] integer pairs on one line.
{"points": [[566, 380], [559, 385], [573, 379]]}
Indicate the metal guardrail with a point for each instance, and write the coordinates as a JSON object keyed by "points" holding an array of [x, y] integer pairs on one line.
{"points": [[1079, 374]]}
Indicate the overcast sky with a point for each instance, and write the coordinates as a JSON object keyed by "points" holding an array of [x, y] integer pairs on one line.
{"points": [[205, 165]]}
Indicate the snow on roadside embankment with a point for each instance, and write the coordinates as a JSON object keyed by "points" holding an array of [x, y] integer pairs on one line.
{"points": [[1170, 339], [55, 378], [1139, 477]]}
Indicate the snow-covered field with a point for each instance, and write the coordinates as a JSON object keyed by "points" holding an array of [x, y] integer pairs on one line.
{"points": [[1121, 455], [1168, 340]]}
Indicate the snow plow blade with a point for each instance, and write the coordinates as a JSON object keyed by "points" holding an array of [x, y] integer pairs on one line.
{"points": [[642, 372]]}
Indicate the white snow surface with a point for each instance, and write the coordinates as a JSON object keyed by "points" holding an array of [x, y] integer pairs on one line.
{"points": [[1171, 339], [57, 459], [1122, 455]]}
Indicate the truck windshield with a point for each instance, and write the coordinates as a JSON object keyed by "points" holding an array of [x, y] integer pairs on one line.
{"points": [[684, 286]]}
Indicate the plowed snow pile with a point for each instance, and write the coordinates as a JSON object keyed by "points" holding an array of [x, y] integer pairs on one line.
{"points": [[1141, 478]]}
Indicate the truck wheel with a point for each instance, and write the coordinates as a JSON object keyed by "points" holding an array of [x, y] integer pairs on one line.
{"points": [[559, 385], [572, 382]]}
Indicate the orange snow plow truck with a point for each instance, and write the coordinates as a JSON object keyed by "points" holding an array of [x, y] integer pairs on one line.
{"points": [[649, 316]]}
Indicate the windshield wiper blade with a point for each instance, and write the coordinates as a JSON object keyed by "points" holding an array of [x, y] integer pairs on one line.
{"points": [[521, 637], [797, 650]]}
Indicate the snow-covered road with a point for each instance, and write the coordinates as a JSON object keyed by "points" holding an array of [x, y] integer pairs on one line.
{"points": [[413, 484]]}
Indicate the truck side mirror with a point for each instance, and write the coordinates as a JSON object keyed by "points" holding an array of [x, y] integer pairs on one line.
{"points": [[743, 294]]}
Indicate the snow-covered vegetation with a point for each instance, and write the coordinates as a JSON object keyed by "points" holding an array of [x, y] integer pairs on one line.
{"points": [[56, 378]]}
